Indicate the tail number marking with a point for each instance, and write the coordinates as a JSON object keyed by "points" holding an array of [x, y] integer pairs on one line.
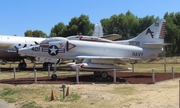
{"points": [[137, 54], [134, 43], [35, 48]]}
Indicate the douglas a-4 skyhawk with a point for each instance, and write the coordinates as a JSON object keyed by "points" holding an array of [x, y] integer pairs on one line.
{"points": [[101, 55]]}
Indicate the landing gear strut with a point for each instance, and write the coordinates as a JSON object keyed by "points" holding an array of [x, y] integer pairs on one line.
{"points": [[54, 76], [46, 64], [101, 74]]}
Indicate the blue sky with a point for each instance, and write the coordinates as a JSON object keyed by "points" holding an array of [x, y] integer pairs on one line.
{"points": [[17, 16]]}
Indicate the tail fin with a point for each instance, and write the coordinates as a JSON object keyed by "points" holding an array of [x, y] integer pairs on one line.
{"points": [[152, 37], [98, 31], [153, 32]]}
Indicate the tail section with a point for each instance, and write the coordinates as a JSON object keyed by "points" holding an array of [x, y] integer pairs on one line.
{"points": [[152, 37], [98, 31]]}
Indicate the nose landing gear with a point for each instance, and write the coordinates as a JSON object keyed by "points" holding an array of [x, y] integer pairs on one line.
{"points": [[101, 74]]}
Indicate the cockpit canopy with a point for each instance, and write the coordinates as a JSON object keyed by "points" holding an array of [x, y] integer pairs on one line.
{"points": [[48, 40]]}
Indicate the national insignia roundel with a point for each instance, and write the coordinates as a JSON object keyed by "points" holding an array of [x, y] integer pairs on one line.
{"points": [[53, 50]]}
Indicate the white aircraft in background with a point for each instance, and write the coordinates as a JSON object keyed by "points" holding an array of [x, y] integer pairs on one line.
{"points": [[101, 56], [10, 44]]}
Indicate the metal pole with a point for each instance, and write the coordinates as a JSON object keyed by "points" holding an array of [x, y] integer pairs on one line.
{"points": [[55, 67], [34, 66], [77, 75], [63, 93], [48, 71], [14, 73], [35, 78], [164, 67], [153, 76], [179, 93], [132, 67], [173, 73], [114, 75]]}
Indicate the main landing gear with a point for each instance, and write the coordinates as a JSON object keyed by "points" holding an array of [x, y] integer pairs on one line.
{"points": [[46, 64], [54, 76], [22, 65], [101, 74]]}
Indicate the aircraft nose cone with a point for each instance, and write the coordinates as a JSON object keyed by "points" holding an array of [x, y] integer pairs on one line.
{"points": [[25, 51]]}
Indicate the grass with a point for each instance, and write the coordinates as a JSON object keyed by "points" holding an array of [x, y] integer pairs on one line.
{"points": [[34, 96], [123, 90], [31, 105], [71, 98], [7, 94], [39, 95]]}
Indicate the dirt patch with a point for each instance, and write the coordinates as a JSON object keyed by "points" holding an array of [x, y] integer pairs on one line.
{"points": [[121, 77]]}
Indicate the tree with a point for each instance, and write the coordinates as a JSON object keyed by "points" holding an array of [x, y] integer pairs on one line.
{"points": [[35, 33], [145, 22], [123, 24], [77, 25], [81, 25], [28, 33], [59, 30], [172, 34]]}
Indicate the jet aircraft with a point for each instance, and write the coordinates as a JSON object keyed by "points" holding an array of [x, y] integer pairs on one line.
{"points": [[101, 56], [10, 44]]}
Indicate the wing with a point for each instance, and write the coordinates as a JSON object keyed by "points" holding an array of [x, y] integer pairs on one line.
{"points": [[112, 37], [105, 59]]}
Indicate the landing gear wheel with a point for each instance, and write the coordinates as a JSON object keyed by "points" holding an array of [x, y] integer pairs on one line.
{"points": [[49, 64], [46, 64], [53, 76], [104, 75], [97, 74], [22, 65]]}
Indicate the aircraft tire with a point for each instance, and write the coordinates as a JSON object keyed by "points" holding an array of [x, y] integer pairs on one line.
{"points": [[49, 64], [46, 64], [53, 77], [104, 75], [22, 65]]}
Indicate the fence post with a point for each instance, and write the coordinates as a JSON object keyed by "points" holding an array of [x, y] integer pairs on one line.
{"points": [[14, 73], [173, 73], [153, 76], [49, 71], [35, 77], [114, 75], [132, 67], [164, 67]]}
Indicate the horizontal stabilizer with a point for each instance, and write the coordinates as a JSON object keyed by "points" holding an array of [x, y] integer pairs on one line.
{"points": [[153, 45], [112, 37], [11, 51]]}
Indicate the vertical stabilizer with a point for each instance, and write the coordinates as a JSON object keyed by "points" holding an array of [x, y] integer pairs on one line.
{"points": [[98, 31], [153, 34], [152, 37]]}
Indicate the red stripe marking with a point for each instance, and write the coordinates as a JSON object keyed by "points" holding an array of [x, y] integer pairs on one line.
{"points": [[161, 36]]}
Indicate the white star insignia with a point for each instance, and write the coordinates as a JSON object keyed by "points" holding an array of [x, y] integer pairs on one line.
{"points": [[53, 50]]}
